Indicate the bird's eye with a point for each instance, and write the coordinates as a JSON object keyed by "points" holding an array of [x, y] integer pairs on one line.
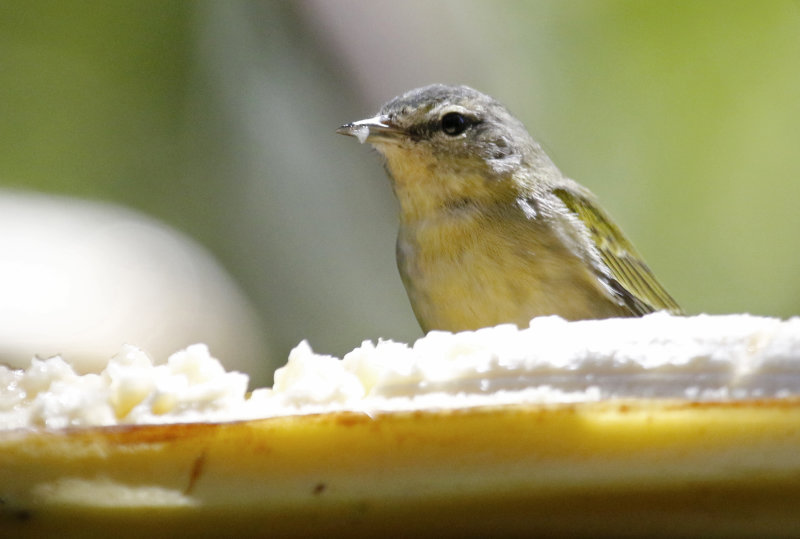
{"points": [[454, 123]]}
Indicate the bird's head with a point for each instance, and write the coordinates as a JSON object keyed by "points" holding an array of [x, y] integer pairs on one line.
{"points": [[449, 142]]}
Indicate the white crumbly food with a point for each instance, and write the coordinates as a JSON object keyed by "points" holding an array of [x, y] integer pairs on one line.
{"points": [[361, 133], [701, 358]]}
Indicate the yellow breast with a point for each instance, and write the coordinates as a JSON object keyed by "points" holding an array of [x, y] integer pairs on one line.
{"points": [[470, 269]]}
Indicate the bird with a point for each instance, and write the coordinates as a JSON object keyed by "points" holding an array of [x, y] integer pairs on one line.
{"points": [[491, 232]]}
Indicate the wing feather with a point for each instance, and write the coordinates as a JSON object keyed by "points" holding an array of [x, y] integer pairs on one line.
{"points": [[625, 271]]}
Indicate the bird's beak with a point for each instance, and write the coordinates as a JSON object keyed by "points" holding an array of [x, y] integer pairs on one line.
{"points": [[376, 129]]}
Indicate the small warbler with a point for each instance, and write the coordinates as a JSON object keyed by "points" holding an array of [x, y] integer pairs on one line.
{"points": [[490, 230]]}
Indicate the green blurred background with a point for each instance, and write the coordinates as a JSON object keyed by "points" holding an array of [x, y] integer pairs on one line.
{"points": [[218, 118]]}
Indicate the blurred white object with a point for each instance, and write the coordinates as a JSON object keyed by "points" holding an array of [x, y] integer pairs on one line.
{"points": [[80, 279]]}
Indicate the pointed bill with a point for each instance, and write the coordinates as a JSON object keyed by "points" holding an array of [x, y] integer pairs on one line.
{"points": [[375, 129]]}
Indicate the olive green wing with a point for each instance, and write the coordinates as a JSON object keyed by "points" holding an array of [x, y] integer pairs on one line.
{"points": [[627, 274]]}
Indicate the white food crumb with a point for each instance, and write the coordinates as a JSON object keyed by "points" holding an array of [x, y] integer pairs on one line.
{"points": [[700, 358], [361, 132]]}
